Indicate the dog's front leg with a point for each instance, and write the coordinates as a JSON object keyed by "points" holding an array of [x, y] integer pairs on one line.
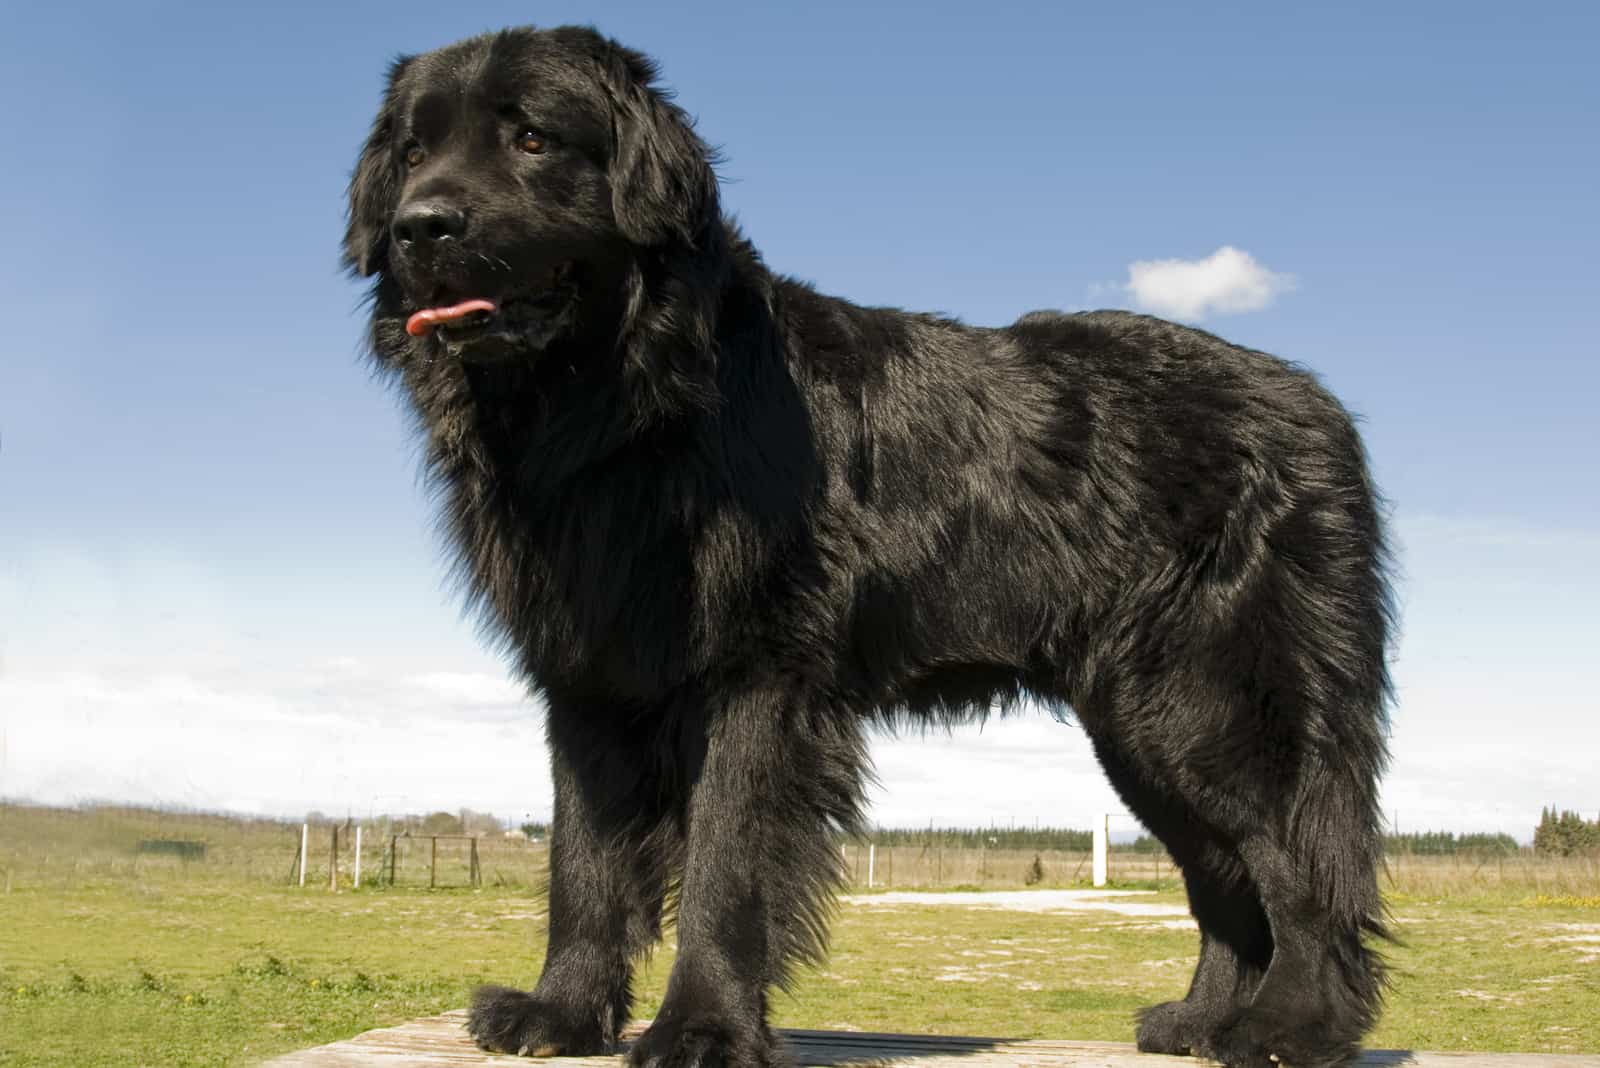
{"points": [[611, 847], [780, 773]]}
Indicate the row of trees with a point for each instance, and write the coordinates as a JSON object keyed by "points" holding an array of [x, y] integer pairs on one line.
{"points": [[1448, 844], [992, 838], [1560, 833], [462, 821], [1427, 843]]}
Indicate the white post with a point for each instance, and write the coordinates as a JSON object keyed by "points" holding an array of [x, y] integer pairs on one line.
{"points": [[1102, 835], [305, 833], [358, 857], [872, 856]]}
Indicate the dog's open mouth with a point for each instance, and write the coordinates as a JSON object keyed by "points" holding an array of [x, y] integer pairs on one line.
{"points": [[532, 316]]}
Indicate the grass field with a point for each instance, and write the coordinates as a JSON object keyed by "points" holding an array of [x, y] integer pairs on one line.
{"points": [[155, 961]]}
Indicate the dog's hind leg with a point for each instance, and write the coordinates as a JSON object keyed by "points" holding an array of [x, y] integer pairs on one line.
{"points": [[1318, 883], [1235, 940], [1252, 752], [612, 844], [1282, 880], [777, 773], [1292, 777], [1235, 945]]}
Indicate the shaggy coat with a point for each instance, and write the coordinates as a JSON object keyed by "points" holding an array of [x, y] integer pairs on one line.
{"points": [[724, 525]]}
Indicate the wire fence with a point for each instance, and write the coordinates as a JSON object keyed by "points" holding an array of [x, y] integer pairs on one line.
{"points": [[63, 847], [941, 867]]}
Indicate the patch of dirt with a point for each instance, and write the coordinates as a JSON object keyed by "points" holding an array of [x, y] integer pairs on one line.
{"points": [[956, 974], [1160, 925], [1582, 937]]}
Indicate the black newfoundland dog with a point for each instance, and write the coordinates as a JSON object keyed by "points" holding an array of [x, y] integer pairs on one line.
{"points": [[725, 524]]}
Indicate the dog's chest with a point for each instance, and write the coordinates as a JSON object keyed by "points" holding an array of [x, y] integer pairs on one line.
{"points": [[594, 587]]}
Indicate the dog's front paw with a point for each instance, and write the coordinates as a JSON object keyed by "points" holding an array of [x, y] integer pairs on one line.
{"points": [[704, 1042], [503, 1020]]}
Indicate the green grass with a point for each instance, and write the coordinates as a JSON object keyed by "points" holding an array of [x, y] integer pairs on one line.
{"points": [[186, 974], [189, 971], [1495, 971]]}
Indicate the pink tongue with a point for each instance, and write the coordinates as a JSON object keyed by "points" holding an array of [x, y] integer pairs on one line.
{"points": [[426, 319]]}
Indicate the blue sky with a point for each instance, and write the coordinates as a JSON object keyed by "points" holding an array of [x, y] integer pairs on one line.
{"points": [[218, 580]]}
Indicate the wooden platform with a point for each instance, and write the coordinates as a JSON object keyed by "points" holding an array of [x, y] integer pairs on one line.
{"points": [[440, 1041]]}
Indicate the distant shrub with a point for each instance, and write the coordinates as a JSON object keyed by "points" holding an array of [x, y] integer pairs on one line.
{"points": [[441, 823], [172, 847], [1565, 834]]}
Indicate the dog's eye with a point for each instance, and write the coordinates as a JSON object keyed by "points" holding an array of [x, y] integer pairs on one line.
{"points": [[414, 155], [530, 142]]}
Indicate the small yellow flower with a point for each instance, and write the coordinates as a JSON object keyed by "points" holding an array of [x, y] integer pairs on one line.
{"points": [[22, 990], [316, 982], [187, 998]]}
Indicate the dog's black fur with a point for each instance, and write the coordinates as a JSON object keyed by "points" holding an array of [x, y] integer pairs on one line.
{"points": [[726, 524]]}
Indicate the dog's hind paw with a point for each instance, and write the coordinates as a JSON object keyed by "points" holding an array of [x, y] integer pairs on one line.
{"points": [[1253, 1038], [705, 1044], [1173, 1027]]}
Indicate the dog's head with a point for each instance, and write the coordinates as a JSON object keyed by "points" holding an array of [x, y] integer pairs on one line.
{"points": [[512, 182]]}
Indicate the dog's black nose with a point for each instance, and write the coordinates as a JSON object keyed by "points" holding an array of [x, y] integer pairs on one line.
{"points": [[422, 223]]}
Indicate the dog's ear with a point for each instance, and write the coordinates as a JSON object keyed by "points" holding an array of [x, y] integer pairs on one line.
{"points": [[374, 187], [663, 187]]}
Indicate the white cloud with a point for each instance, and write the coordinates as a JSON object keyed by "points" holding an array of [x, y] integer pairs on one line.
{"points": [[342, 735], [339, 737], [1497, 711], [1227, 281], [1025, 770]]}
